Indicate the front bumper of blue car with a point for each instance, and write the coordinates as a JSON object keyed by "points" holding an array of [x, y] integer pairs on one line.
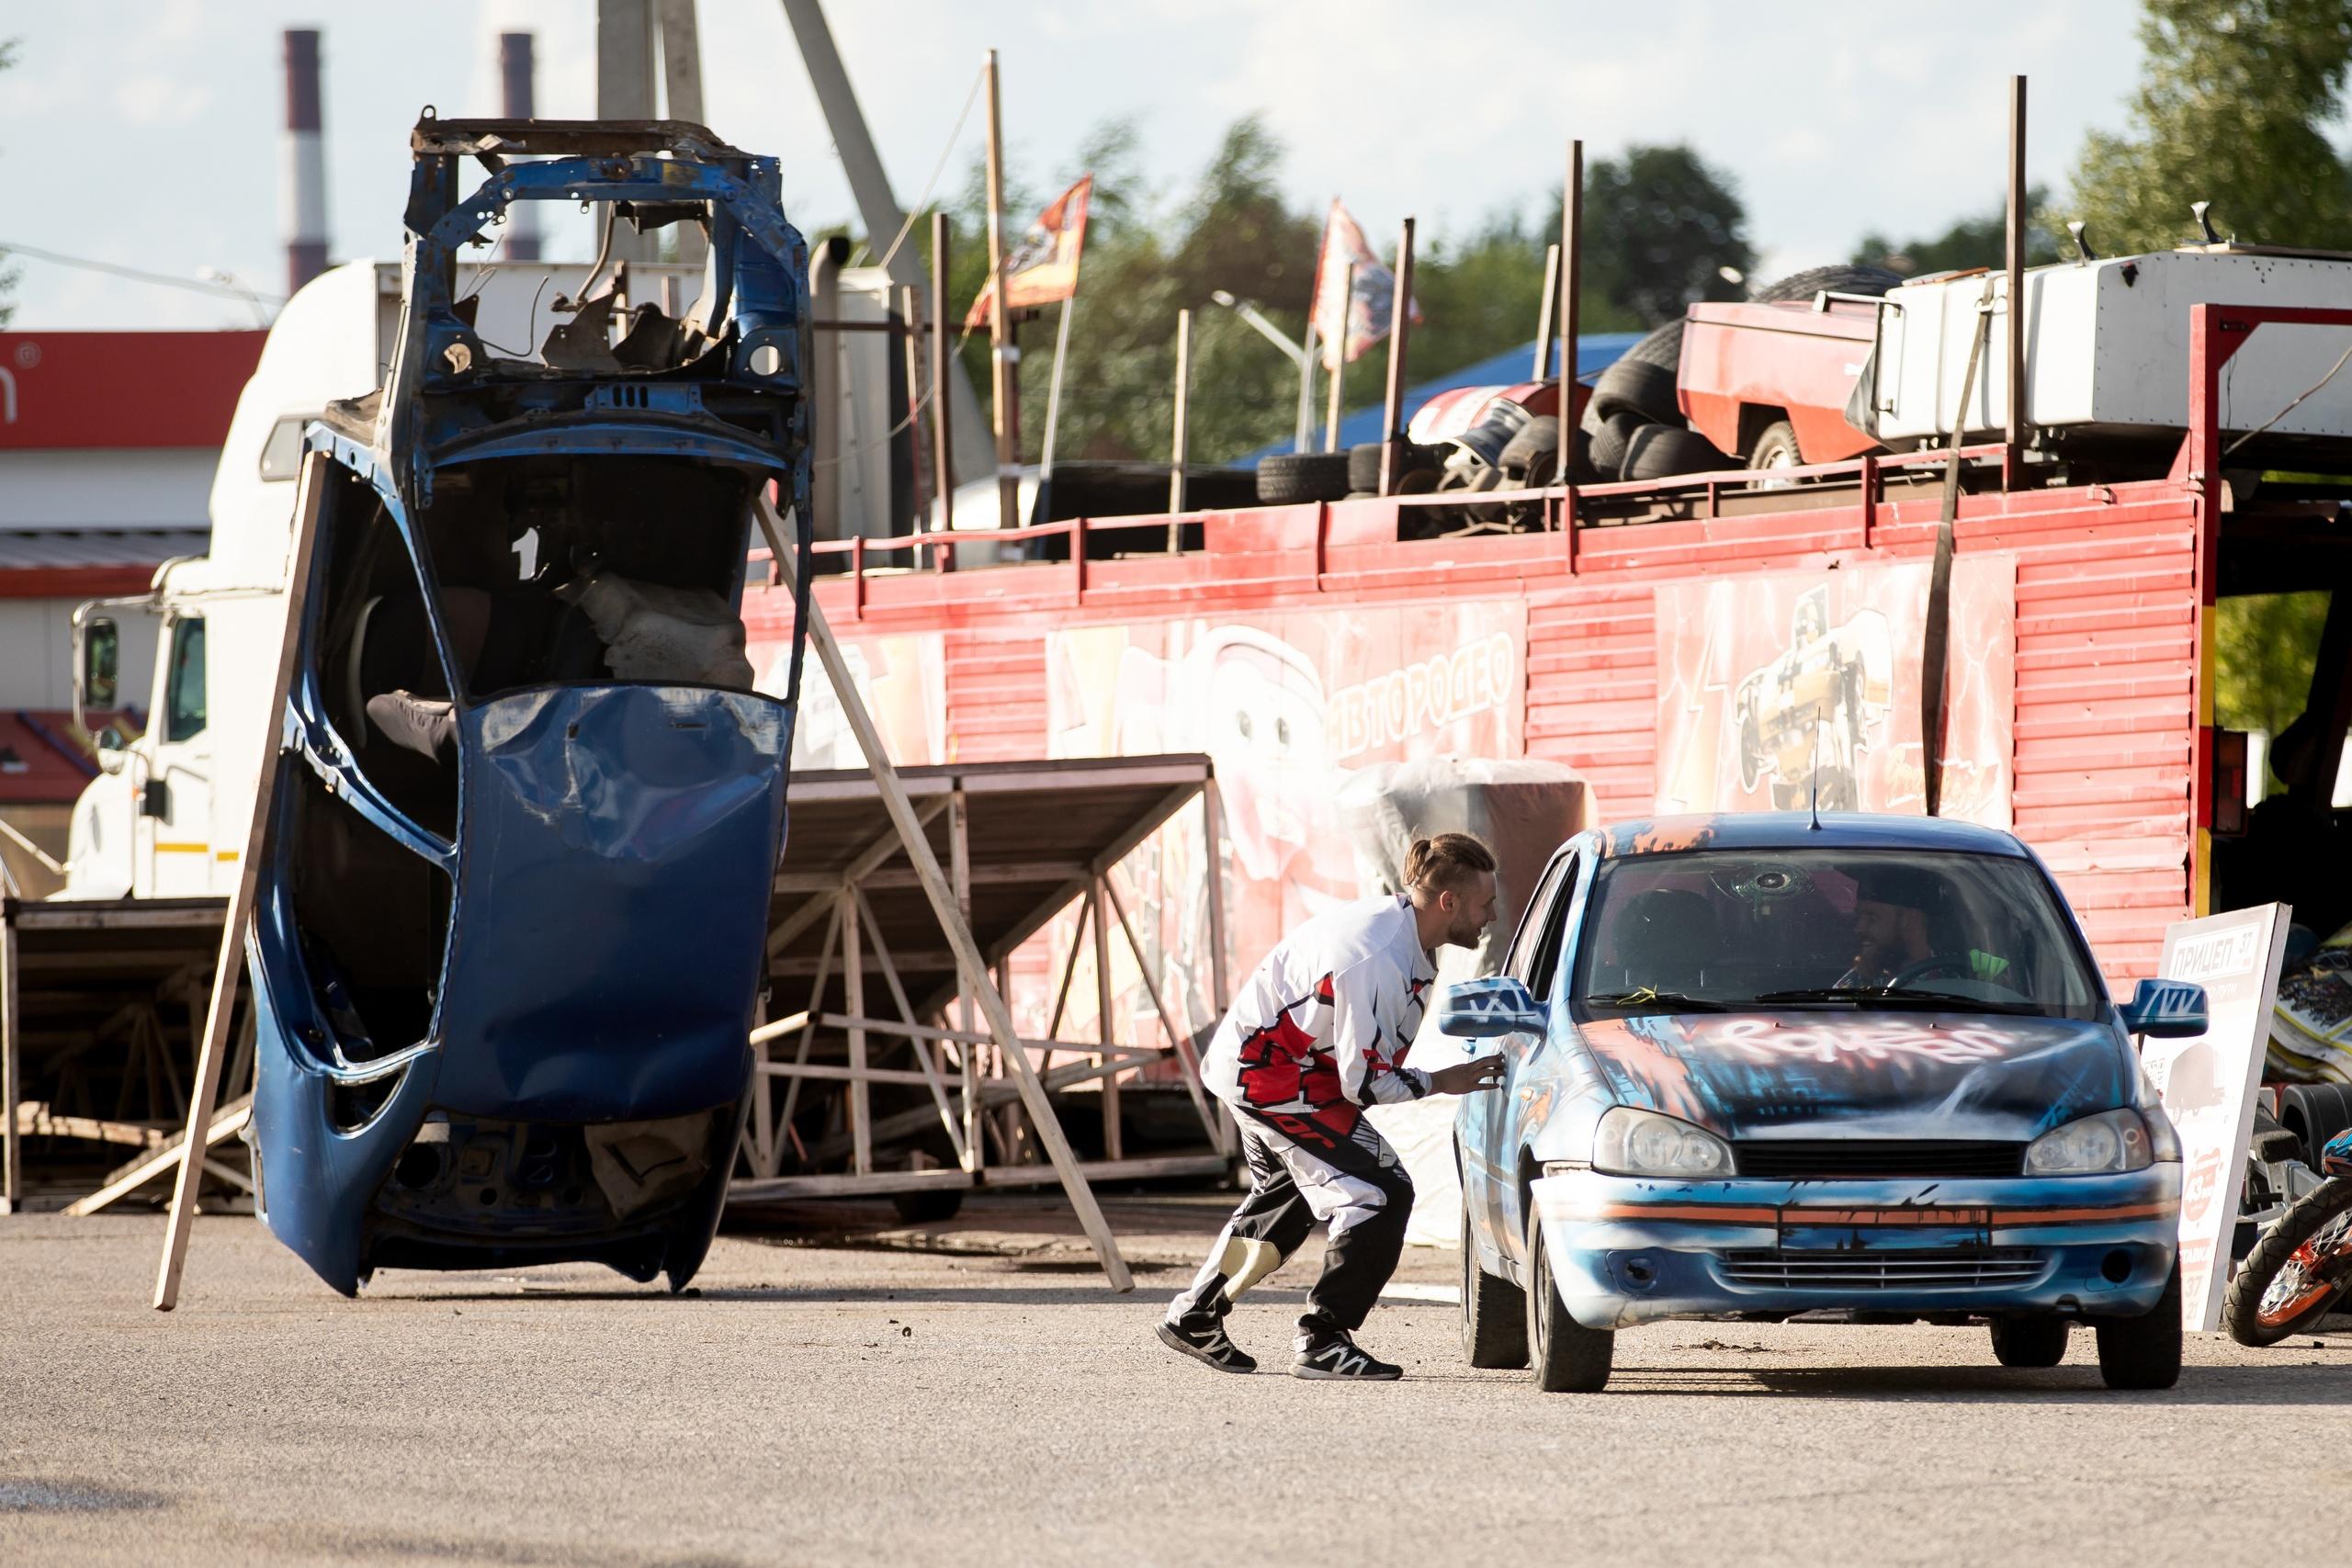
{"points": [[1634, 1249]]}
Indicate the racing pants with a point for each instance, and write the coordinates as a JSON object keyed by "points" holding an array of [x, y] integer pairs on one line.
{"points": [[1302, 1174]]}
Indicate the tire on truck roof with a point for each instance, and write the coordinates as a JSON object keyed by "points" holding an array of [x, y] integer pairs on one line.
{"points": [[1287, 478], [1663, 451], [1838, 277]]}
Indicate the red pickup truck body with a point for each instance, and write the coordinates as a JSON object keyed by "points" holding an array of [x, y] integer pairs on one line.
{"points": [[1747, 365]]}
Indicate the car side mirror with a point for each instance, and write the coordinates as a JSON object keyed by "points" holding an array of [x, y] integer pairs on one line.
{"points": [[1485, 1010], [2166, 1009], [101, 663]]}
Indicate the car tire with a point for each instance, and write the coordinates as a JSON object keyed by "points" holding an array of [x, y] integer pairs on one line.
{"points": [[1634, 386], [1664, 451], [2029, 1341], [1363, 462], [1566, 1356], [2316, 1113], [1610, 438], [1661, 346], [930, 1206], [1838, 277], [1493, 1311], [2143, 1352], [2242, 1308], [1775, 447], [1539, 438], [1286, 479]]}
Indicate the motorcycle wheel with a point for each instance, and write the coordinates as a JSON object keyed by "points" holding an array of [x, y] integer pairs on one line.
{"points": [[2297, 1270]]}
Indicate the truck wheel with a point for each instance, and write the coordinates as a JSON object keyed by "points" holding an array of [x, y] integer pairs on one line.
{"points": [[2029, 1341], [2143, 1352], [1838, 277], [1663, 451], [1567, 1356], [1633, 386], [1287, 478], [1493, 1311], [2298, 1269], [1776, 447]]}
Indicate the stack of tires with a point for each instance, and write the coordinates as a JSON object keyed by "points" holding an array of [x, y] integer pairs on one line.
{"points": [[1635, 423]]}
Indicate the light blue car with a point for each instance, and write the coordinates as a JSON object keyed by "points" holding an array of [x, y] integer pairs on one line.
{"points": [[1763, 1064]]}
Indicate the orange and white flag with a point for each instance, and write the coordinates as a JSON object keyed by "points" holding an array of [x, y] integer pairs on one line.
{"points": [[1044, 266], [1352, 315]]}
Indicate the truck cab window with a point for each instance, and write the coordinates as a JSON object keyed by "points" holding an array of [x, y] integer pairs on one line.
{"points": [[183, 696]]}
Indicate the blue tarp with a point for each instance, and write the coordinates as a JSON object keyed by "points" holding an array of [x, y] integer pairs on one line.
{"points": [[1594, 351]]}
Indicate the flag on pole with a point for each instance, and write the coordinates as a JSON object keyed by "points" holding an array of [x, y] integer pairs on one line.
{"points": [[1044, 266], [1352, 324]]}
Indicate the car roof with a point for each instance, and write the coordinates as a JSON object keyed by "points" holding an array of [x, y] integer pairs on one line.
{"points": [[1801, 830]]}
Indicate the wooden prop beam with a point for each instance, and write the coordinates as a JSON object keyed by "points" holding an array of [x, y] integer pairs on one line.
{"points": [[971, 966], [231, 964]]}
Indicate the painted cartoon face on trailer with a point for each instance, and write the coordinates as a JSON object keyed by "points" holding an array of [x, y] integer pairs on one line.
{"points": [[1265, 726]]}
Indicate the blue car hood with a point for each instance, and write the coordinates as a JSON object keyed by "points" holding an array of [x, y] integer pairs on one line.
{"points": [[1872, 1075]]}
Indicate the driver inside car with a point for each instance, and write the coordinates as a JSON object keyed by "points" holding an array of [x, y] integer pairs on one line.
{"points": [[1901, 921]]}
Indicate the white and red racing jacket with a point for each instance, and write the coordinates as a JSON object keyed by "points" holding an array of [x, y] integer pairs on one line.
{"points": [[1322, 1025]]}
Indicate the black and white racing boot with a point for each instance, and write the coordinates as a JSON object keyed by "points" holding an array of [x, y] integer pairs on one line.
{"points": [[1205, 1343], [1328, 1353]]}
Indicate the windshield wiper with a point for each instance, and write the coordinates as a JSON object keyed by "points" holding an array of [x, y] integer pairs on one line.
{"points": [[1868, 995], [1662, 1001]]}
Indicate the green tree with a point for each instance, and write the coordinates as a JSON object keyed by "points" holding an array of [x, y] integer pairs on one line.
{"points": [[2231, 109], [1981, 240], [1660, 225], [2263, 647]]}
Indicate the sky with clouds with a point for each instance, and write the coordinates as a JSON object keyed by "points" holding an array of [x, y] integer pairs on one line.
{"points": [[145, 132]]}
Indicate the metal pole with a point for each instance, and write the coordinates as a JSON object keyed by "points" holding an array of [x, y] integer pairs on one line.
{"points": [[1007, 454], [1571, 290], [912, 348], [877, 208], [2013, 452], [1392, 407], [681, 96], [1337, 349], [943, 464], [1183, 397], [1053, 412], [1542, 370]]}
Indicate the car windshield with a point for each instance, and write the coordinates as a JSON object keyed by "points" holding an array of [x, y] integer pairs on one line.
{"points": [[1829, 927]]}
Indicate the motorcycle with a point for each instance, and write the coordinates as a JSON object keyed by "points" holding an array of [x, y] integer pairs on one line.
{"points": [[2300, 1266]]}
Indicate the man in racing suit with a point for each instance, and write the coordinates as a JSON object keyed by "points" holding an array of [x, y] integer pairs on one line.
{"points": [[1319, 1032]]}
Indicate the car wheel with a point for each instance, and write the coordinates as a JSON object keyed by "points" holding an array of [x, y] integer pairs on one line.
{"points": [[2029, 1341], [1493, 1311], [2143, 1352], [1776, 447], [1567, 1356]]}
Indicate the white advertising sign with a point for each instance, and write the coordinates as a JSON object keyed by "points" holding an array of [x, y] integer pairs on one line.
{"points": [[2208, 1083]]}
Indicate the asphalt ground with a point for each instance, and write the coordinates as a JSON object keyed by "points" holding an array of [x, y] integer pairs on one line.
{"points": [[843, 1399]]}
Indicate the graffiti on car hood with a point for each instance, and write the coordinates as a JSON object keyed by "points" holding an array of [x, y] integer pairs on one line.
{"points": [[1873, 1075]]}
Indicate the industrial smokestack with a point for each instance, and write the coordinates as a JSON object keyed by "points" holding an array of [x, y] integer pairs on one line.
{"points": [[306, 172], [515, 74]]}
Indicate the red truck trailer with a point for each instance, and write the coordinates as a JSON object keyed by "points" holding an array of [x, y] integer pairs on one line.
{"points": [[1714, 641]]}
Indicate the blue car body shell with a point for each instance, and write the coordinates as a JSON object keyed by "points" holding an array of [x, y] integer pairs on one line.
{"points": [[1630, 1249], [565, 1076]]}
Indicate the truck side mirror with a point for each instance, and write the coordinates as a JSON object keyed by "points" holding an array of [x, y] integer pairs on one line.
{"points": [[101, 663]]}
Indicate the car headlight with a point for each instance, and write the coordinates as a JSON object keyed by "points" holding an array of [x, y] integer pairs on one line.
{"points": [[1642, 1143], [2109, 1142]]}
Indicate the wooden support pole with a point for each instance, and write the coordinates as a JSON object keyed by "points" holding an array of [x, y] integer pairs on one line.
{"points": [[1211, 1122], [942, 461], [929, 1072], [1113, 1143], [231, 960], [1571, 280], [2013, 449], [1176, 456], [1336, 355], [1001, 352], [12, 1089], [808, 1025], [1213, 831], [969, 963], [1400, 326]]}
